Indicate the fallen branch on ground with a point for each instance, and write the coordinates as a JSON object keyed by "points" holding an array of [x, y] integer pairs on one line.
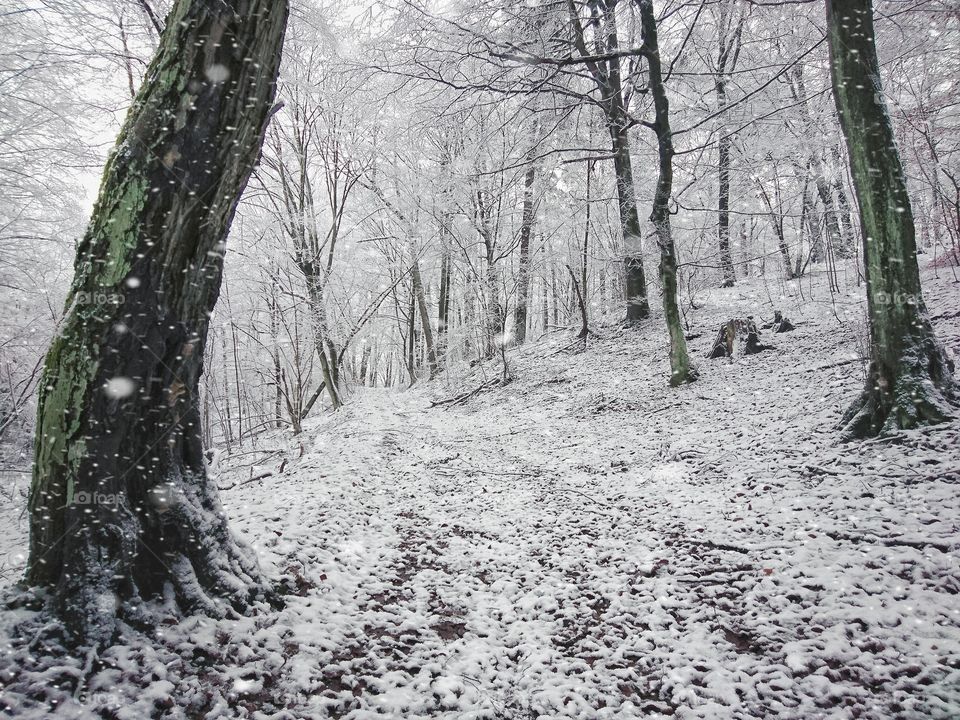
{"points": [[255, 478], [261, 476], [892, 542], [461, 399], [463, 469], [833, 365], [735, 548]]}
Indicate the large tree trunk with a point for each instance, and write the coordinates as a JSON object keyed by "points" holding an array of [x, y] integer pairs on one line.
{"points": [[121, 508], [910, 381], [680, 370]]}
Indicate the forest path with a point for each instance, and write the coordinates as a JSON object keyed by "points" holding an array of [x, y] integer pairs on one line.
{"points": [[587, 542]]}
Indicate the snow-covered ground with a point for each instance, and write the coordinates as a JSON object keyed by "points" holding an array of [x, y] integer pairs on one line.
{"points": [[583, 542]]}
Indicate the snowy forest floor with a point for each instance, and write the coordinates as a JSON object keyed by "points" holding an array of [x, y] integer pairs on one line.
{"points": [[583, 542]]}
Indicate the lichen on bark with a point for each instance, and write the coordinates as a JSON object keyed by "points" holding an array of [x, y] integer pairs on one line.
{"points": [[910, 378], [680, 369], [121, 506]]}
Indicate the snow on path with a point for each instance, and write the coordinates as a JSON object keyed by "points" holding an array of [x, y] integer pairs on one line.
{"points": [[586, 542]]}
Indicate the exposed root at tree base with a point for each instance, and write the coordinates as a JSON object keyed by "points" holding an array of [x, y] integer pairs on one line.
{"points": [[868, 417]]}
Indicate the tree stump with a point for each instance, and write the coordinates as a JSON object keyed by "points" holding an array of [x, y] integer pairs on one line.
{"points": [[780, 324], [743, 329]]}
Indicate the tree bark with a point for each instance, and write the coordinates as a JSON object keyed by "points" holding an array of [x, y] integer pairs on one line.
{"points": [[834, 236], [495, 315], [364, 364], [638, 307], [443, 310], [424, 314], [809, 225], [121, 507], [228, 429], [846, 249], [607, 76], [584, 250], [723, 204], [523, 273], [412, 339], [680, 370], [727, 57], [545, 303], [274, 306], [776, 220], [910, 381], [582, 304], [322, 343], [815, 168]]}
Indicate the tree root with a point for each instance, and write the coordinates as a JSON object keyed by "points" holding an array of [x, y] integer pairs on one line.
{"points": [[913, 404], [178, 549], [914, 388]]}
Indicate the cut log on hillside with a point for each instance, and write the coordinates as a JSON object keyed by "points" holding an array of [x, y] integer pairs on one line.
{"points": [[744, 329], [780, 324]]}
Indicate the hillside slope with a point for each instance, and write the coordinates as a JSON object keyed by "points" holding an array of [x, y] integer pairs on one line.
{"points": [[584, 542]]}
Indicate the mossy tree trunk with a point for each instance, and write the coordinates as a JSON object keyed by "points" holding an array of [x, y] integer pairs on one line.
{"points": [[121, 508], [910, 380], [680, 370]]}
